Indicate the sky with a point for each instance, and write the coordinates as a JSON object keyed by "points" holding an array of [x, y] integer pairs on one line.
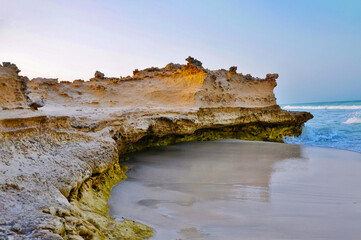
{"points": [[314, 45]]}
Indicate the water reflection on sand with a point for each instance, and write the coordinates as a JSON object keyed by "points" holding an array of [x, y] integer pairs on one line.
{"points": [[242, 190]]}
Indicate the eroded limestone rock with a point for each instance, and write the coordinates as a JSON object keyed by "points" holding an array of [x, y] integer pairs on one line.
{"points": [[233, 69], [174, 86], [193, 61], [37, 104], [13, 88], [58, 164], [99, 75]]}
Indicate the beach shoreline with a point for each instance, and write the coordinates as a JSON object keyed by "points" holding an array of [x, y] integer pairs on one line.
{"points": [[220, 189]]}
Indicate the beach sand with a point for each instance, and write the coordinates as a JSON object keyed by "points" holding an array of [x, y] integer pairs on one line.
{"points": [[242, 190]]}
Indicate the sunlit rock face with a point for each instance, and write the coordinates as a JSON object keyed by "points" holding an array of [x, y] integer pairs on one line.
{"points": [[58, 163], [13, 88], [173, 86]]}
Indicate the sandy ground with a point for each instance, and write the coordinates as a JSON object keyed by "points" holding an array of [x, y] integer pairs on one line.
{"points": [[242, 190]]}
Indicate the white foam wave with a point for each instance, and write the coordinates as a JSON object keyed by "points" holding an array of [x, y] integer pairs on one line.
{"points": [[353, 107], [355, 118]]}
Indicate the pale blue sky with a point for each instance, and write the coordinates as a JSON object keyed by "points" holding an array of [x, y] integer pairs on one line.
{"points": [[315, 45]]}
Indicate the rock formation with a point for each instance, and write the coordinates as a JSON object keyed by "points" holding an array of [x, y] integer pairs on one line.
{"points": [[174, 86], [13, 88], [58, 164]]}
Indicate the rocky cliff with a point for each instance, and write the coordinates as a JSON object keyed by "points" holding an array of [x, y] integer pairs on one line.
{"points": [[174, 86], [13, 88], [58, 164]]}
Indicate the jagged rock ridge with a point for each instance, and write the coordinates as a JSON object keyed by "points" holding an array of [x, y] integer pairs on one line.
{"points": [[173, 86]]}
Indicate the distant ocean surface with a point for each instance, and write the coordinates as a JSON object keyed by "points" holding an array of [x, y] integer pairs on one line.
{"points": [[335, 125]]}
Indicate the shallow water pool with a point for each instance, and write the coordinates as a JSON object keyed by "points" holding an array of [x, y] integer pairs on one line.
{"points": [[242, 190]]}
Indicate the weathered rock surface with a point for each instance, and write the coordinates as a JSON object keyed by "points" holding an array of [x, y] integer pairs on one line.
{"points": [[175, 86], [13, 88], [58, 164]]}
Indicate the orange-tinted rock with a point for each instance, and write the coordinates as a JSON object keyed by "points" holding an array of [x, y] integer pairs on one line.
{"points": [[13, 88]]}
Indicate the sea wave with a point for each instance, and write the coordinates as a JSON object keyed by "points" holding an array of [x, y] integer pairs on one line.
{"points": [[353, 107], [330, 138], [337, 126], [313, 136], [355, 118]]}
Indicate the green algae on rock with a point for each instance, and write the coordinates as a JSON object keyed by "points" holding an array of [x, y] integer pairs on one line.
{"points": [[253, 132], [91, 200]]}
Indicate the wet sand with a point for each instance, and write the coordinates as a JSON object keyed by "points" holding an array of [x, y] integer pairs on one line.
{"points": [[242, 190]]}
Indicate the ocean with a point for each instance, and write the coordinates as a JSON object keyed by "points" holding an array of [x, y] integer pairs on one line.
{"points": [[335, 125]]}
